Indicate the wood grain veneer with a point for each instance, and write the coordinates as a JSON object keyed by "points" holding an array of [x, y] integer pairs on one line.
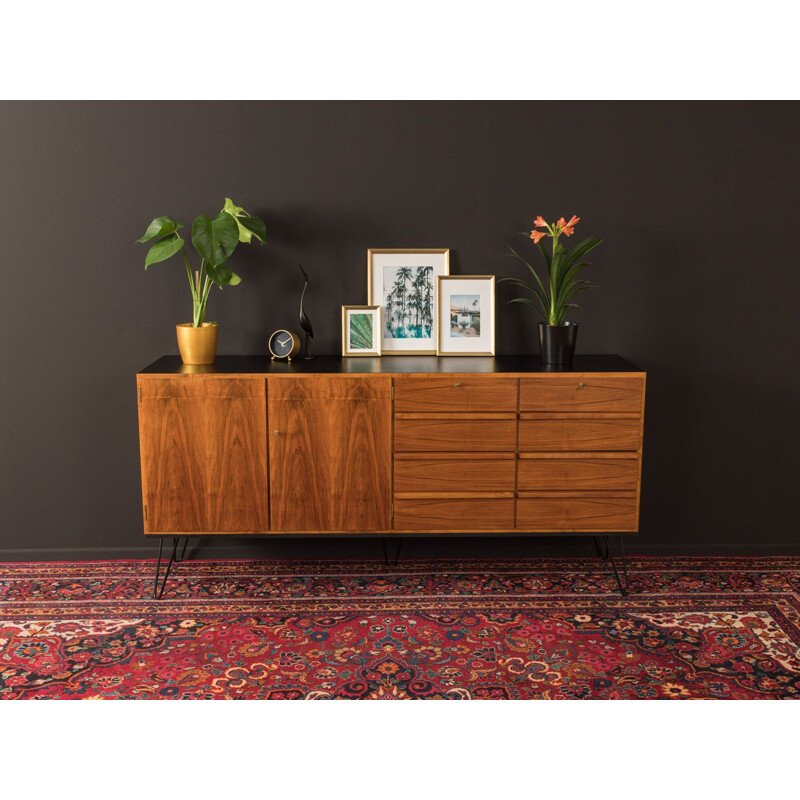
{"points": [[461, 514], [582, 392], [203, 454], [579, 434], [330, 451], [448, 472], [458, 394], [463, 433], [584, 472], [569, 514]]}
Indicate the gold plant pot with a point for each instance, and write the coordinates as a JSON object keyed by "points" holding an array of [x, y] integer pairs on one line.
{"points": [[197, 345]]}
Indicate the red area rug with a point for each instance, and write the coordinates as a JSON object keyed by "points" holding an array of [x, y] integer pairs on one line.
{"points": [[691, 628]]}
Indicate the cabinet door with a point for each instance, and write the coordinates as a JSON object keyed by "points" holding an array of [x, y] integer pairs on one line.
{"points": [[330, 453], [203, 446]]}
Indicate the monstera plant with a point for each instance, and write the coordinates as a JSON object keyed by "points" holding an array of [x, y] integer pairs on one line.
{"points": [[214, 241]]}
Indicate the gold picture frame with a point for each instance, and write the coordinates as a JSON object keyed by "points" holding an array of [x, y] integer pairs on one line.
{"points": [[349, 332], [467, 332], [384, 259]]}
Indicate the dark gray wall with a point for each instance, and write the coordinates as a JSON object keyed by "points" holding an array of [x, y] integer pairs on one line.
{"points": [[697, 203]]}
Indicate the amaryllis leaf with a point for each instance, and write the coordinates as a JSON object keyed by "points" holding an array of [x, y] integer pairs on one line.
{"points": [[529, 302], [531, 270], [519, 282], [582, 249]]}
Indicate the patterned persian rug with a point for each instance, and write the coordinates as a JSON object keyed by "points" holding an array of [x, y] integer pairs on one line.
{"points": [[547, 628]]}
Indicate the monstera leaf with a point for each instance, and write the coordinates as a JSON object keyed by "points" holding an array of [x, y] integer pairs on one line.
{"points": [[215, 239], [165, 229], [222, 275], [248, 226]]}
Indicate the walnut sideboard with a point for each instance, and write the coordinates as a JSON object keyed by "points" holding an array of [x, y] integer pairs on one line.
{"points": [[390, 446]]}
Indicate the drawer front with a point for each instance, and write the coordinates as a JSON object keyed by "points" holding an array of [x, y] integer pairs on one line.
{"points": [[452, 472], [564, 474], [465, 394], [579, 434], [582, 392], [608, 514], [455, 434], [437, 514]]}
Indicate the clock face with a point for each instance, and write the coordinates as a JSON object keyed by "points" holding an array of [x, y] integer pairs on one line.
{"points": [[281, 344]]}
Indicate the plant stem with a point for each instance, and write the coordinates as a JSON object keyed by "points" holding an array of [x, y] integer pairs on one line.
{"points": [[552, 315]]}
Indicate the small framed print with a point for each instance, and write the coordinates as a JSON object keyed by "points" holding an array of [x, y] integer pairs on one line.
{"points": [[403, 284], [361, 330], [466, 315]]}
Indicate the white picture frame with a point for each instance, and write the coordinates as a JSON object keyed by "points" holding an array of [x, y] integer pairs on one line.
{"points": [[409, 326], [466, 311], [361, 331]]}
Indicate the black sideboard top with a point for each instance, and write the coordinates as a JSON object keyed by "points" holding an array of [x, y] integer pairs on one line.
{"points": [[233, 365]]}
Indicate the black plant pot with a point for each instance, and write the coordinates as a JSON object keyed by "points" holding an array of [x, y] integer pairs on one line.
{"points": [[557, 342]]}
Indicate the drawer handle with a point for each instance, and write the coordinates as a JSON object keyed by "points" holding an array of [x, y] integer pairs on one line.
{"points": [[580, 386], [456, 385], [276, 433]]}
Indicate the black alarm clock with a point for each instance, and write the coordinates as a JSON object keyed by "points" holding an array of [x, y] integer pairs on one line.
{"points": [[284, 344]]}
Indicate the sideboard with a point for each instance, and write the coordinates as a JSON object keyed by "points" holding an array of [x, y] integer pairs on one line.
{"points": [[390, 446]]}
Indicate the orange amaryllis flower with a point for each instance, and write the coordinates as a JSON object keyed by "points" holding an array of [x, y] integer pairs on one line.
{"points": [[539, 222], [536, 235], [568, 228]]}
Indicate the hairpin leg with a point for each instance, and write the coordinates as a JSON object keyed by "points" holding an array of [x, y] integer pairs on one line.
{"points": [[183, 552], [386, 560], [602, 552], [158, 592], [623, 586]]}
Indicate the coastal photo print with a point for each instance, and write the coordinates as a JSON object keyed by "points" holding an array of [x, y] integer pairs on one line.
{"points": [[403, 283], [361, 330], [466, 315]]}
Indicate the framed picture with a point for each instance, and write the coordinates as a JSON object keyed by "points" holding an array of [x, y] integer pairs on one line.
{"points": [[403, 284], [361, 330], [466, 315]]}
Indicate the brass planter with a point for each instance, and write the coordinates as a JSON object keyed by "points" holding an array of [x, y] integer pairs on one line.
{"points": [[197, 345]]}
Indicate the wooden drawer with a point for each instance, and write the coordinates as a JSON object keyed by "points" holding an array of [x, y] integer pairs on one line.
{"points": [[582, 514], [301, 388], [448, 514], [582, 392], [543, 434], [463, 434], [590, 471], [470, 393], [452, 472]]}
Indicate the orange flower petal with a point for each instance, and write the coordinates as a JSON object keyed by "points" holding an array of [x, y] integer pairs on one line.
{"points": [[536, 235], [539, 222], [567, 230], [573, 221], [561, 222]]}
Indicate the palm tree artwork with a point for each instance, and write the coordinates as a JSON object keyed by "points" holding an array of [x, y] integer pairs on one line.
{"points": [[408, 302]]}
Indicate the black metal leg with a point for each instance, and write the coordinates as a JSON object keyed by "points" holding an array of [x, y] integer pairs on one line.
{"points": [[623, 586], [386, 560], [158, 592], [183, 552], [602, 552]]}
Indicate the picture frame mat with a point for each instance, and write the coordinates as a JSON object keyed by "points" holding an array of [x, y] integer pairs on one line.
{"points": [[378, 259]]}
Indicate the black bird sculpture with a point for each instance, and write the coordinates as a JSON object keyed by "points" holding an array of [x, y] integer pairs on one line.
{"points": [[305, 322]]}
